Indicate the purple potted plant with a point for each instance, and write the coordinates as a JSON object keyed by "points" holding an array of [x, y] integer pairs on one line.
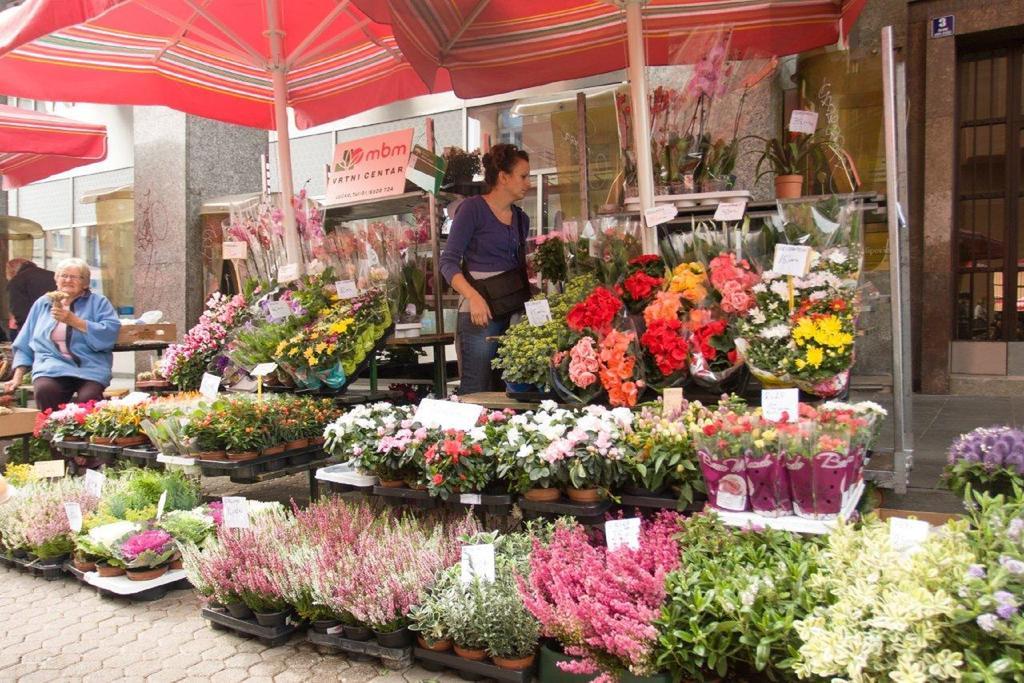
{"points": [[990, 459], [721, 454], [146, 554]]}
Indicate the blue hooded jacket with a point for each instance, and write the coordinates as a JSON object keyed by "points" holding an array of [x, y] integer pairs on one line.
{"points": [[91, 351]]}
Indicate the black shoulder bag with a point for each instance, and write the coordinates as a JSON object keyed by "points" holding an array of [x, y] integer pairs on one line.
{"points": [[506, 292]]}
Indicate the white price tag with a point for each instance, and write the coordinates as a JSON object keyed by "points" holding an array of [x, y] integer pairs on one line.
{"points": [[288, 273], [622, 532], [478, 562], [46, 469], [779, 404], [94, 482], [448, 414], [279, 310], [907, 534], [730, 212], [471, 499], [74, 513], [236, 512], [672, 401], [802, 121], [161, 504], [263, 369], [662, 213], [233, 250], [346, 289], [791, 259], [175, 460], [209, 386], [538, 312]]}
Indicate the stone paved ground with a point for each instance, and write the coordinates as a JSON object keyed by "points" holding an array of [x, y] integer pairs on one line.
{"points": [[62, 631]]}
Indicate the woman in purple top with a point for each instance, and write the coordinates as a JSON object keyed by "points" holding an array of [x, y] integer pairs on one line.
{"points": [[488, 237]]}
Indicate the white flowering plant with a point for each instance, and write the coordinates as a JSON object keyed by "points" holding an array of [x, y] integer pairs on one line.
{"points": [[378, 438], [521, 453]]}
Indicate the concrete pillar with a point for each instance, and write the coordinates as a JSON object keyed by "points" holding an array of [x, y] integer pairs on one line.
{"points": [[180, 162]]}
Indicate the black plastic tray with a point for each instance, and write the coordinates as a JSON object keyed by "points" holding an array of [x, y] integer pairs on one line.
{"points": [[142, 457], [49, 571], [492, 503], [144, 595], [249, 471], [268, 635], [407, 496], [591, 513], [391, 657], [453, 661]]}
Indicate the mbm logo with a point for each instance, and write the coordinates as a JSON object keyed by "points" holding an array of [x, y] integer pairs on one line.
{"points": [[349, 159], [386, 151]]}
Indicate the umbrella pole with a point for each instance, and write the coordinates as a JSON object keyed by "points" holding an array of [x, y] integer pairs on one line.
{"points": [[641, 116], [278, 73]]}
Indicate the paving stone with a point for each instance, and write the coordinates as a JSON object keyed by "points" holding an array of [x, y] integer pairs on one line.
{"points": [[166, 676], [207, 667]]}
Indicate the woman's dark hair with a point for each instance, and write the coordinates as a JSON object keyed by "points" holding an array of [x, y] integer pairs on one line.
{"points": [[502, 157]]}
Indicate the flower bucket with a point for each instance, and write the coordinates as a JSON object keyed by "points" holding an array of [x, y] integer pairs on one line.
{"points": [[819, 485], [724, 478], [767, 483]]}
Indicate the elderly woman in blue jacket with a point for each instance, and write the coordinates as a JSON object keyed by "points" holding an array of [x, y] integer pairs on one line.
{"points": [[67, 340]]}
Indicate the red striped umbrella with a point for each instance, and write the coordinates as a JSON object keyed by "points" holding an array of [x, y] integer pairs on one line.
{"points": [[34, 146], [239, 61], [490, 47]]}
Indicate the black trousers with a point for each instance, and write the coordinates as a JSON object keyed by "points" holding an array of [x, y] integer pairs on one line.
{"points": [[52, 392]]}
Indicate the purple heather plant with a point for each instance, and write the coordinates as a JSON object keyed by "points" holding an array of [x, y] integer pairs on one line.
{"points": [[988, 458]]}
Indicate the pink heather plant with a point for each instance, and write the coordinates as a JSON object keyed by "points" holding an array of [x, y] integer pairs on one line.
{"points": [[36, 520], [602, 605]]}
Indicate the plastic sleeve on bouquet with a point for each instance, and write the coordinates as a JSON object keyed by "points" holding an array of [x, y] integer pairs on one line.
{"points": [[710, 379], [829, 387], [769, 379]]}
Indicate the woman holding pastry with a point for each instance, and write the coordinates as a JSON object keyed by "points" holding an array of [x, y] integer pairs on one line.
{"points": [[67, 341]]}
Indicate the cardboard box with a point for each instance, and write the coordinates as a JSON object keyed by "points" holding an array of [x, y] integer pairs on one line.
{"points": [[21, 422], [933, 518], [160, 332]]}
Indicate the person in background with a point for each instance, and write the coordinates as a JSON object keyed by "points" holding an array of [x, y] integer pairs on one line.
{"points": [[67, 341], [484, 260], [26, 282]]}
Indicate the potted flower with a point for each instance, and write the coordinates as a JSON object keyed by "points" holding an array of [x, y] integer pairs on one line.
{"points": [[146, 554], [764, 467], [205, 430], [100, 545], [722, 444], [453, 465], [187, 526], [521, 453], [460, 168], [428, 621], [511, 633], [788, 161], [644, 277], [466, 609], [593, 451], [662, 454]]}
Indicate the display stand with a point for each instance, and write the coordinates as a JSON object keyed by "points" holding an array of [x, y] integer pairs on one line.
{"points": [[791, 522], [123, 587], [586, 514], [48, 570]]}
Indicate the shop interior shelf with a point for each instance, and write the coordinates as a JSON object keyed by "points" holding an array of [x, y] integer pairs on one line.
{"points": [[760, 209]]}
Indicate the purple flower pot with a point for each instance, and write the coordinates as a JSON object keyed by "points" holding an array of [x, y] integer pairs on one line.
{"points": [[727, 488], [819, 485], [767, 483]]}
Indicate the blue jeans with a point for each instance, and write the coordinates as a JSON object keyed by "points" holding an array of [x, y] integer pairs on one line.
{"points": [[476, 353]]}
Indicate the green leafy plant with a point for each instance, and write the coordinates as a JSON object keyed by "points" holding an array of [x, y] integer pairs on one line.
{"points": [[188, 526], [509, 630], [800, 155]]}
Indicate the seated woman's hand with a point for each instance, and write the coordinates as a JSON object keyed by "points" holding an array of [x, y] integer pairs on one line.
{"points": [[10, 386]]}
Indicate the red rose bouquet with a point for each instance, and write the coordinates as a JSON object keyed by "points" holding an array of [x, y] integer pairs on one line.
{"points": [[644, 278], [714, 357], [596, 312]]}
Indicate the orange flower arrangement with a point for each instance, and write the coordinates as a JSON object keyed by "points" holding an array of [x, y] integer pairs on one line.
{"points": [[691, 281], [617, 368], [664, 307]]}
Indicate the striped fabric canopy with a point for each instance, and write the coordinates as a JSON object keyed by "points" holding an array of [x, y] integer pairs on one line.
{"points": [[491, 46], [34, 146], [206, 57]]}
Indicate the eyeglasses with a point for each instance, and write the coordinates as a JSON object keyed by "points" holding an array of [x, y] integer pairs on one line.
{"points": [[64, 276]]}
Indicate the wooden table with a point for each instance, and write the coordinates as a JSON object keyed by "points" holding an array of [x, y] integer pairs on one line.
{"points": [[437, 342], [19, 425]]}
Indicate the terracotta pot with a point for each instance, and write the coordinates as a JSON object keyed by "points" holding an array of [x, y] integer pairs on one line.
{"points": [[317, 441], [296, 444], [471, 654], [176, 563], [789, 186], [543, 495], [136, 440], [84, 566], [101, 440], [438, 646], [584, 495], [211, 455], [147, 574], [392, 483], [274, 450], [242, 455], [106, 571], [518, 664]]}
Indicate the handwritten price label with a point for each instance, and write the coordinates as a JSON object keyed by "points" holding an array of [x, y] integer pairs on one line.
{"points": [[672, 401], [210, 386], [777, 404], [47, 469], [620, 533], [730, 212], [288, 273], [538, 312], [802, 121], [236, 512], [263, 369], [234, 250], [346, 289], [659, 214], [74, 513], [478, 562], [792, 259], [448, 414], [94, 482], [279, 310]]}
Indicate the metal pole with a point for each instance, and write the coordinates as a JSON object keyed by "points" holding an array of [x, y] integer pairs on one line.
{"points": [[581, 141], [435, 242], [278, 69], [641, 116], [899, 276]]}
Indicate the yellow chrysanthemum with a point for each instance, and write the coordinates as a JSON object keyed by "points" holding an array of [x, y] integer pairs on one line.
{"points": [[815, 356]]}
